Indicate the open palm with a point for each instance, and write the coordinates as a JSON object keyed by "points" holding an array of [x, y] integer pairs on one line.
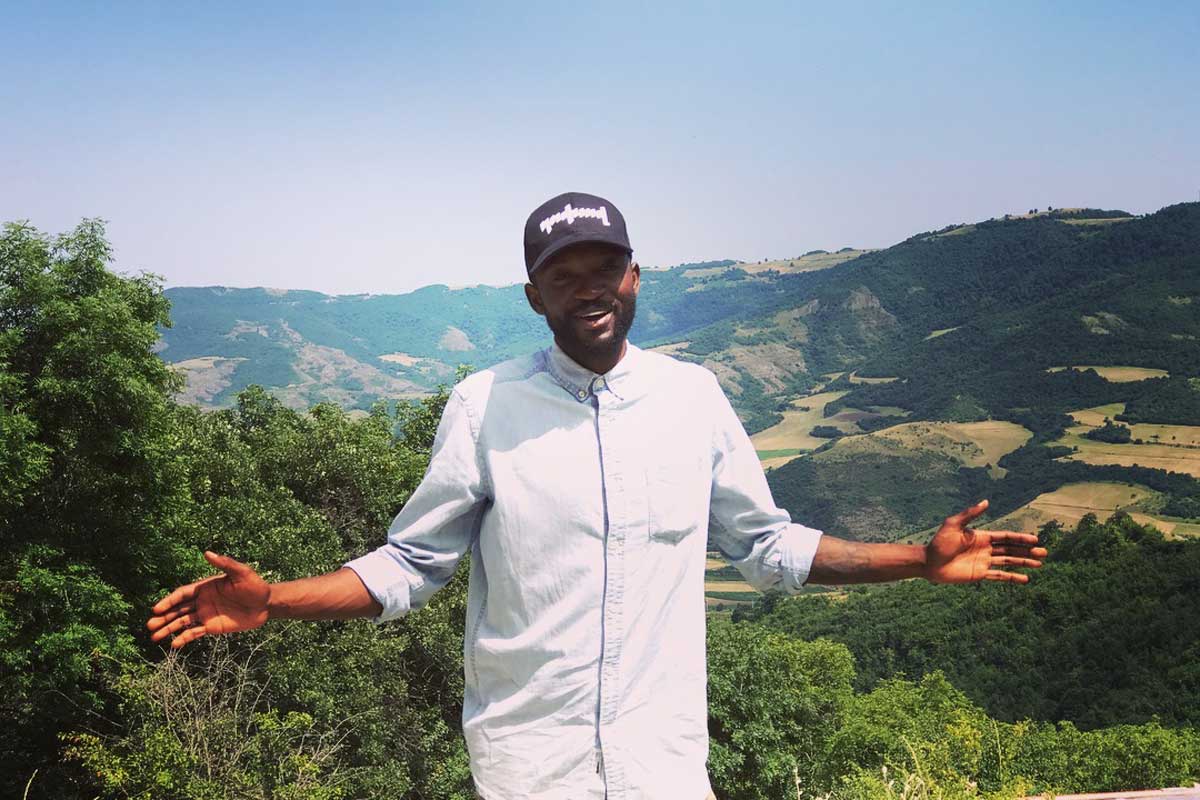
{"points": [[227, 603], [961, 554]]}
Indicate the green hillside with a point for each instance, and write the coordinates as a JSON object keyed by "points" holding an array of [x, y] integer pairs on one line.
{"points": [[1016, 299], [357, 349], [1107, 633], [111, 490], [971, 322]]}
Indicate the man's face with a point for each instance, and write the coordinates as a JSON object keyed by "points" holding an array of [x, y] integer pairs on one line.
{"points": [[588, 294]]}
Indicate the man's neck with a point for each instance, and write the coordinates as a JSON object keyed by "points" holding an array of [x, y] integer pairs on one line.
{"points": [[599, 363]]}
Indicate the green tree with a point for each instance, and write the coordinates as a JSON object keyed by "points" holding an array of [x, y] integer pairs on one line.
{"points": [[773, 702], [92, 507]]}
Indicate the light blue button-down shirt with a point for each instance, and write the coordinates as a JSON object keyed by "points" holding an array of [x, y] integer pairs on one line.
{"points": [[586, 502]]}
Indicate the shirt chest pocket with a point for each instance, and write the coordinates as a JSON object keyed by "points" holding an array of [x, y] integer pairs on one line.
{"points": [[677, 492]]}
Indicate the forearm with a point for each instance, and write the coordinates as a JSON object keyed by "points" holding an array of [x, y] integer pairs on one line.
{"points": [[335, 595], [839, 562]]}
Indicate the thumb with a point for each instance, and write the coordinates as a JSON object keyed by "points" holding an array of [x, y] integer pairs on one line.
{"points": [[968, 514], [225, 563]]}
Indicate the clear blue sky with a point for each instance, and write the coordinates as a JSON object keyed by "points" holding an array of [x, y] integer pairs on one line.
{"points": [[353, 147]]}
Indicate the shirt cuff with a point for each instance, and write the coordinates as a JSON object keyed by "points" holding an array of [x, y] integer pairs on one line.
{"points": [[797, 549], [386, 582]]}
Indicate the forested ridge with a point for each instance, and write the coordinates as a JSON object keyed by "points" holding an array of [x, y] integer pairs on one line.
{"points": [[109, 490]]}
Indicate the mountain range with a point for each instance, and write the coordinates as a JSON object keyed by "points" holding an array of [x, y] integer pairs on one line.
{"points": [[1005, 322]]}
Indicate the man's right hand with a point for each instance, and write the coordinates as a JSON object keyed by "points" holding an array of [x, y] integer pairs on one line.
{"points": [[234, 601]]}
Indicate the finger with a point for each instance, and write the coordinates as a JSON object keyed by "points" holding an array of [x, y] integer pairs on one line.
{"points": [[1014, 561], [968, 514], [1022, 550], [156, 622], [190, 635], [229, 565], [181, 595], [1000, 575], [1013, 537], [175, 626]]}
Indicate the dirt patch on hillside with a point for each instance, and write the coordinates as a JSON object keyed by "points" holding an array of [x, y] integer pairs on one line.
{"points": [[774, 363], [972, 444], [403, 359], [455, 340], [205, 377]]}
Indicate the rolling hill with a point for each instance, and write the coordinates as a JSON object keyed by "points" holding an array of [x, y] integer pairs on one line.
{"points": [[1015, 322]]}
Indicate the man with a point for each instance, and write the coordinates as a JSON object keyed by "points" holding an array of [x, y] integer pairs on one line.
{"points": [[586, 481]]}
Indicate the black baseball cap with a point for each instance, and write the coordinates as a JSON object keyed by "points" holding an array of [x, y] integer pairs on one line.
{"points": [[568, 219]]}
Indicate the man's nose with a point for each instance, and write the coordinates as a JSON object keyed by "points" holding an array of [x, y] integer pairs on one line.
{"points": [[591, 287]]}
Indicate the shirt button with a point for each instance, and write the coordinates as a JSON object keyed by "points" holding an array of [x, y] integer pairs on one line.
{"points": [[582, 394], [599, 384]]}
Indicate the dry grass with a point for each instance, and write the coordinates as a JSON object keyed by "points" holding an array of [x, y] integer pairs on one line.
{"points": [[1153, 456], [455, 340], [942, 332], [205, 377], [961, 230], [792, 432], [1070, 503], [1118, 374], [773, 363], [671, 349], [854, 378], [727, 586], [1102, 221], [1094, 416], [812, 263], [972, 444], [1174, 448], [716, 602], [403, 359]]}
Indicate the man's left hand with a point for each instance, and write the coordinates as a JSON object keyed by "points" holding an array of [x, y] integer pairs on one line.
{"points": [[958, 553]]}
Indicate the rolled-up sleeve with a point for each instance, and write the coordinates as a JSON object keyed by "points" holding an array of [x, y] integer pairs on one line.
{"points": [[437, 525], [754, 534]]}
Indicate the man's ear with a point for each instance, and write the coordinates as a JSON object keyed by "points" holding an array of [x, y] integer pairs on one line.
{"points": [[637, 277], [535, 299]]}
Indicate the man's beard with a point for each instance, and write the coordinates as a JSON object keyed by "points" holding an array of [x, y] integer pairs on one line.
{"points": [[571, 342]]}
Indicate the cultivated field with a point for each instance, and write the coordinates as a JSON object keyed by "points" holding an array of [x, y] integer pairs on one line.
{"points": [[1174, 448], [792, 433], [810, 263], [731, 591], [973, 444], [854, 378], [727, 586], [1118, 374], [1070, 503]]}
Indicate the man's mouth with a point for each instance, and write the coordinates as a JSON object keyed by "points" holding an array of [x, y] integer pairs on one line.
{"points": [[594, 317]]}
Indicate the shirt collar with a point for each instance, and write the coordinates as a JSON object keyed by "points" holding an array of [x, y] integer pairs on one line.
{"points": [[582, 383]]}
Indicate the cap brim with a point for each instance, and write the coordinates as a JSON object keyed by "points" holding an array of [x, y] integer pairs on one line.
{"points": [[571, 241]]}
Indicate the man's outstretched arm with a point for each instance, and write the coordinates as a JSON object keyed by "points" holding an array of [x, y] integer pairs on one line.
{"points": [[240, 600], [957, 553]]}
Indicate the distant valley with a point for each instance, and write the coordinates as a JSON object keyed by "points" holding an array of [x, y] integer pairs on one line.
{"points": [[884, 388]]}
